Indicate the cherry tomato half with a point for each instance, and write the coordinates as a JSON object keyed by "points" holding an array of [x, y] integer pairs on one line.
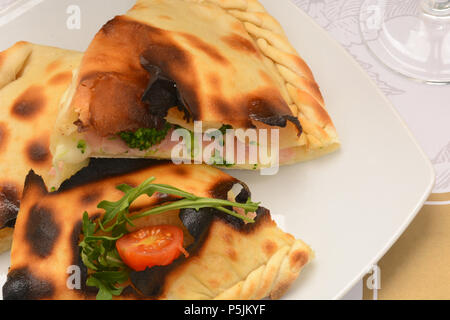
{"points": [[151, 246]]}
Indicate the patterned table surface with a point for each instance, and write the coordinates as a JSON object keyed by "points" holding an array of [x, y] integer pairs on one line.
{"points": [[419, 255], [425, 109]]}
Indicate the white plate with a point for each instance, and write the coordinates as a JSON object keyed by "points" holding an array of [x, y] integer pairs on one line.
{"points": [[350, 206]]}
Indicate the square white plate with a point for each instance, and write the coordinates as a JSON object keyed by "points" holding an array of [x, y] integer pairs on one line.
{"points": [[350, 206]]}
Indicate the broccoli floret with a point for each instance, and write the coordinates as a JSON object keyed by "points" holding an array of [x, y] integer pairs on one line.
{"points": [[218, 160], [144, 138], [224, 128], [82, 146]]}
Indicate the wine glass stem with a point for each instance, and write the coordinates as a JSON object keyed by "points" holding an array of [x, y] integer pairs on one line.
{"points": [[437, 8]]}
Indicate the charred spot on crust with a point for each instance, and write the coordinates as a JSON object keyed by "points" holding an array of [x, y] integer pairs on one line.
{"points": [[204, 47], [269, 247], [9, 204], [60, 78], [262, 106], [74, 241], [228, 238], [105, 168], [221, 188], [122, 96], [53, 66], [232, 254], [21, 284], [261, 110], [161, 94], [42, 231], [77, 261], [90, 197], [244, 194], [196, 221], [130, 93], [29, 103], [182, 170], [280, 121], [38, 152], [32, 180], [238, 42], [3, 136], [298, 259], [222, 106], [149, 283]]}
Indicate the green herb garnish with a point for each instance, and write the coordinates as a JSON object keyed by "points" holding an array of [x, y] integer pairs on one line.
{"points": [[218, 160], [82, 146], [224, 128], [144, 138], [107, 272]]}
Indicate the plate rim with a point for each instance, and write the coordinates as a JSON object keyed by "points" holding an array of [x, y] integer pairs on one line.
{"points": [[427, 162], [432, 176]]}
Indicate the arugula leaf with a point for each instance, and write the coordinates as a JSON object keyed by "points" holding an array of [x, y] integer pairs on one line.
{"points": [[108, 272], [106, 289]]}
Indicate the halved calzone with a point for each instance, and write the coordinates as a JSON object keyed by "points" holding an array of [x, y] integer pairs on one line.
{"points": [[223, 258], [169, 63], [33, 79]]}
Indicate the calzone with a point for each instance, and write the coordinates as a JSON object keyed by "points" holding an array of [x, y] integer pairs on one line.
{"points": [[167, 64], [33, 79], [224, 258]]}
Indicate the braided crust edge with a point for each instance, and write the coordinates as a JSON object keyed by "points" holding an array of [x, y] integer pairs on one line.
{"points": [[274, 278], [300, 90]]}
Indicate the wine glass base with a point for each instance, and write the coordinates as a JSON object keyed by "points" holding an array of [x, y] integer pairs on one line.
{"points": [[413, 44]]}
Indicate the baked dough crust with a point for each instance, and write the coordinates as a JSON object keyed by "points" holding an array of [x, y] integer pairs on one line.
{"points": [[232, 262], [32, 80], [6, 235], [303, 93], [281, 78], [304, 96]]}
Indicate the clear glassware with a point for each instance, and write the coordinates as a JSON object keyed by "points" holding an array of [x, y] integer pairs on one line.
{"points": [[411, 37]]}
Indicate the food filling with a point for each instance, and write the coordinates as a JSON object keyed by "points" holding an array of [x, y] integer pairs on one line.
{"points": [[72, 151], [117, 257], [151, 246]]}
